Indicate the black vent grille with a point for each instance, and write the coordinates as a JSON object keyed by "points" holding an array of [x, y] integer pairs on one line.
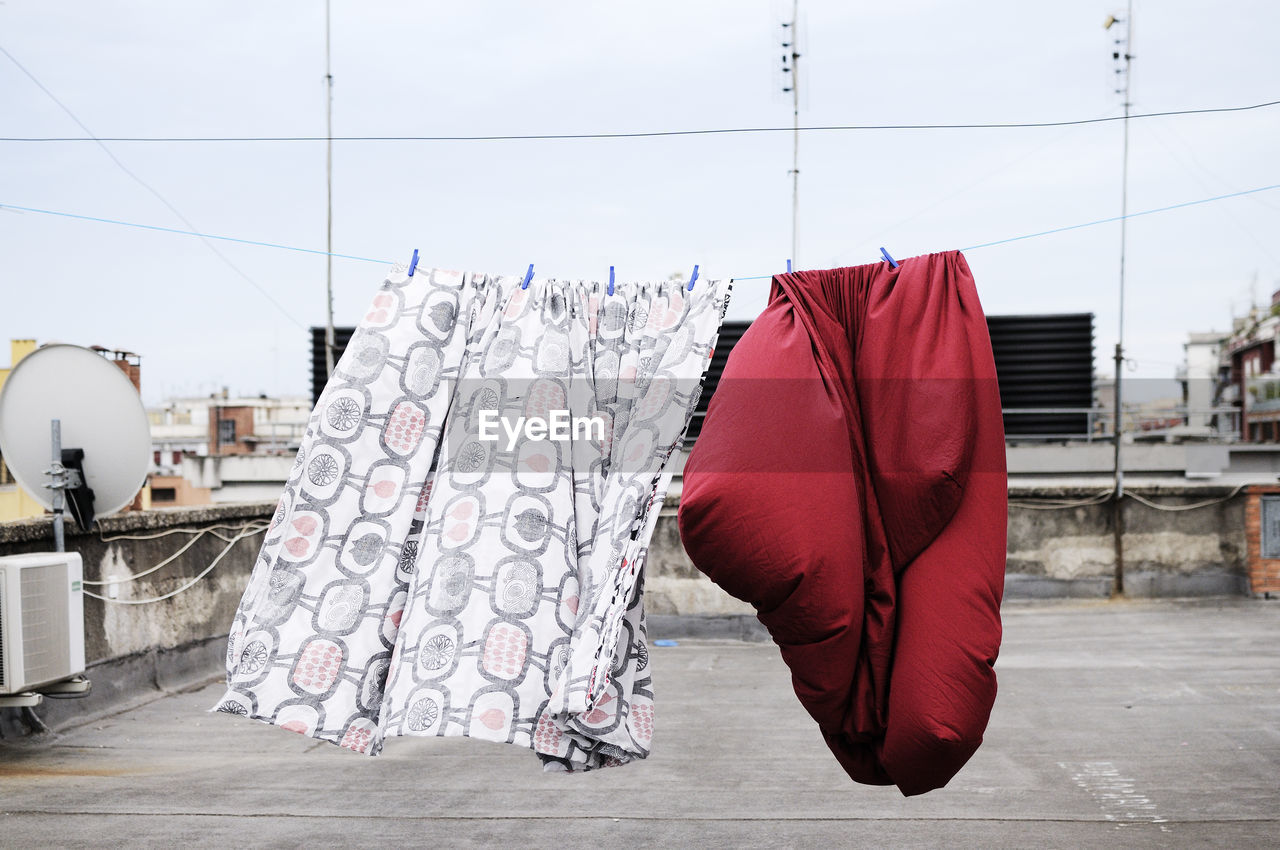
{"points": [[730, 333], [319, 376], [1044, 361]]}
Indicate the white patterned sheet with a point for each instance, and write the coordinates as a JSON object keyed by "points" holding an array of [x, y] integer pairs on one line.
{"points": [[420, 580]]}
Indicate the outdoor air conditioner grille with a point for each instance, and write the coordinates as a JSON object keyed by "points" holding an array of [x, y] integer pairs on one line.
{"points": [[4, 680], [45, 643]]}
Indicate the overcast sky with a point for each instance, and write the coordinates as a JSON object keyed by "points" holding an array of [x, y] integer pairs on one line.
{"points": [[649, 206]]}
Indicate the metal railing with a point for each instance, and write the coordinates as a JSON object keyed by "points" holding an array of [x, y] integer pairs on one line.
{"points": [[1098, 423]]}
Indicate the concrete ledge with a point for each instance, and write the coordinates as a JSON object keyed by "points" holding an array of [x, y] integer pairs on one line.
{"points": [[744, 627], [1021, 586], [1161, 584], [123, 683], [41, 528]]}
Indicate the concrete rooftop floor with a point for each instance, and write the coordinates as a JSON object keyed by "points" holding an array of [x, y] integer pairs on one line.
{"points": [[1134, 724]]}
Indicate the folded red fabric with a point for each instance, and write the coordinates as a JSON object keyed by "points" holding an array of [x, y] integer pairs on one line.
{"points": [[849, 482]]}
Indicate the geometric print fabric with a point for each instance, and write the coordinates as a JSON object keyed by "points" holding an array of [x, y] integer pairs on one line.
{"points": [[436, 569]]}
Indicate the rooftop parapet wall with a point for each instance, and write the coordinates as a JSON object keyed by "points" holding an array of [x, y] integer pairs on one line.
{"points": [[130, 543], [1060, 545]]}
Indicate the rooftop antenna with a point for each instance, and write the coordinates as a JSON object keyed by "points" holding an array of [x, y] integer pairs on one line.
{"points": [[1123, 59], [790, 65], [328, 181]]}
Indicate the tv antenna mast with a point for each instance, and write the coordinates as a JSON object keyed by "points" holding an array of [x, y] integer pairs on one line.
{"points": [[328, 184], [790, 65], [1123, 58]]}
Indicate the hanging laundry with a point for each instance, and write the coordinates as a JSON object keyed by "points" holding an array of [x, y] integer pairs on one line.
{"points": [[849, 482], [459, 549]]}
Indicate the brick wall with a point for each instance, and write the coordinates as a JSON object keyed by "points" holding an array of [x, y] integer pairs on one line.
{"points": [[243, 417], [1264, 573]]}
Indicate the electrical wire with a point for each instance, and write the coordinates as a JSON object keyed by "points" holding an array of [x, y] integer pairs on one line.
{"points": [[144, 184], [1194, 506], [1060, 504], [1105, 496], [1121, 217], [877, 238], [249, 528], [246, 533], [193, 233], [169, 531], [148, 572], [717, 131], [752, 277]]}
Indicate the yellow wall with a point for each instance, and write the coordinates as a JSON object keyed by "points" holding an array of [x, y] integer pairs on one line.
{"points": [[14, 501]]}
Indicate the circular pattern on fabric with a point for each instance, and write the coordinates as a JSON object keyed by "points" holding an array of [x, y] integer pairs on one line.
{"points": [[638, 319], [423, 714], [323, 470], [409, 557], [471, 457], [343, 413], [233, 708], [436, 652], [253, 657]]}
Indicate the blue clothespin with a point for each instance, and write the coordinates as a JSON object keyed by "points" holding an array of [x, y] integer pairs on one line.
{"points": [[413, 264], [528, 276], [890, 260], [610, 280], [693, 278], [788, 267]]}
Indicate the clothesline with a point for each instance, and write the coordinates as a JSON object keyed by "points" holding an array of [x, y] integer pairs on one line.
{"points": [[644, 134], [264, 244]]}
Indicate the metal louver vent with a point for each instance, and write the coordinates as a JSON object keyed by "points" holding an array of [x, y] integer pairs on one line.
{"points": [[319, 377], [730, 333], [1044, 361], [45, 643]]}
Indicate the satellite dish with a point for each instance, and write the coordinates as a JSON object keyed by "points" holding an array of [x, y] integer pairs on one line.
{"points": [[100, 414]]}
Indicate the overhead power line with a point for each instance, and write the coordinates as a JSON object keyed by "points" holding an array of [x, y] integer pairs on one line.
{"points": [[144, 184], [263, 244], [718, 131]]}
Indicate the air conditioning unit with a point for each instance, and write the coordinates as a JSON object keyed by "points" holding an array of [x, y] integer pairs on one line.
{"points": [[41, 620]]}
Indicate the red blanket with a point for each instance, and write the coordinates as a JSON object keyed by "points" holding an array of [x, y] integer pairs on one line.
{"points": [[849, 482]]}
